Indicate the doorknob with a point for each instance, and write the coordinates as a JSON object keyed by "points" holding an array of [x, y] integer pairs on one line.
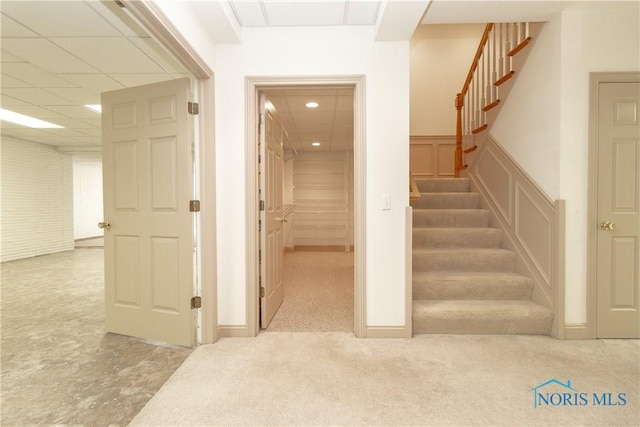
{"points": [[105, 224], [281, 219], [607, 226]]}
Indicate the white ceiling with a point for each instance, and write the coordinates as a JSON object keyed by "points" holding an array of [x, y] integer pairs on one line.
{"points": [[264, 13], [330, 124], [57, 56]]}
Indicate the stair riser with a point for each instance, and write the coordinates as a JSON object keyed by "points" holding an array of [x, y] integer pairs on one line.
{"points": [[457, 238], [443, 185], [471, 290], [481, 326], [460, 218], [447, 201], [481, 317], [497, 262]]}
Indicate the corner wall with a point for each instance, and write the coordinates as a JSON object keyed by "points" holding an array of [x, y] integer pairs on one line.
{"points": [[37, 201]]}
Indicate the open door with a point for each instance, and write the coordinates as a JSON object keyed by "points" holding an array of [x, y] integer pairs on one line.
{"points": [[271, 166], [148, 183]]}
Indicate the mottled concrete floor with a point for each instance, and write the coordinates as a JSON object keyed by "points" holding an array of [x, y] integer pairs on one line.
{"points": [[58, 364]]}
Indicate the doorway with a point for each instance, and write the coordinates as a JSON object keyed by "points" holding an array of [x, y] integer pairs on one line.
{"points": [[614, 203], [314, 202], [256, 86]]}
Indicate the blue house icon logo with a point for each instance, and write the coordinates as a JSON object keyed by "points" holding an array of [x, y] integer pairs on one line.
{"points": [[567, 397]]}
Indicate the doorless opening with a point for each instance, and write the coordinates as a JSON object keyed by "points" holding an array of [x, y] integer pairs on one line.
{"points": [[256, 86], [305, 168]]}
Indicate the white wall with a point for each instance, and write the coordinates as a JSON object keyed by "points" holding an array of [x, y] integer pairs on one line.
{"points": [[594, 39], [87, 198], [37, 201], [544, 124], [440, 59], [318, 51]]}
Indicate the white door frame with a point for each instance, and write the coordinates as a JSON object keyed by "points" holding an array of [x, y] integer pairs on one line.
{"points": [[155, 21], [595, 78], [253, 84]]}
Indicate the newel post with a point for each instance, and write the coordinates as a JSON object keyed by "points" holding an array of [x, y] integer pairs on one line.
{"points": [[458, 160]]}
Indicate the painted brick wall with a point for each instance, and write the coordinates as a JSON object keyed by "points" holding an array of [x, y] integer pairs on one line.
{"points": [[87, 198], [37, 201]]}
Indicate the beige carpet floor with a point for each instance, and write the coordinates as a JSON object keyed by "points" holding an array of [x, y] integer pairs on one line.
{"points": [[318, 293], [337, 379]]}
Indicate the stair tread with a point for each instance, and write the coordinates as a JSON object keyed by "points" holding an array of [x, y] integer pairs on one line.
{"points": [[470, 251]]}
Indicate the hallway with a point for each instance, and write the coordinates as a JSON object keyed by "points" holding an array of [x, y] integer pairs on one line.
{"points": [[59, 366], [318, 293]]}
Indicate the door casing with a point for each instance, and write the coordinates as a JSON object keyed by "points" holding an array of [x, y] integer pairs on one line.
{"points": [[595, 79], [253, 85]]}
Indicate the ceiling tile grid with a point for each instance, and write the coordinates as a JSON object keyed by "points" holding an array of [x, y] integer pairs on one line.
{"points": [[279, 13], [58, 56]]}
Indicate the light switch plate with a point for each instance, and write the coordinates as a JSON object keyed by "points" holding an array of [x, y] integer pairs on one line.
{"points": [[386, 202]]}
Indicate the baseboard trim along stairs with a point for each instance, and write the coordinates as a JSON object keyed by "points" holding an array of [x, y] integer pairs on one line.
{"points": [[464, 282]]}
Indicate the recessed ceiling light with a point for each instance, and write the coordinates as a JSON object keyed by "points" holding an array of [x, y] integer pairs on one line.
{"points": [[95, 107], [315, 144], [311, 104], [21, 119]]}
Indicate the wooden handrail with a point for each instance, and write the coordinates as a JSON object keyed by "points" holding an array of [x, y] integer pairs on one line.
{"points": [[492, 66], [460, 99], [476, 59]]}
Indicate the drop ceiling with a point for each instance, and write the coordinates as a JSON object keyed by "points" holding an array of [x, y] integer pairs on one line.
{"points": [[58, 56], [264, 13]]}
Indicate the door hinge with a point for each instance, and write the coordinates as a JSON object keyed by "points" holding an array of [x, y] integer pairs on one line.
{"points": [[260, 118], [196, 302], [261, 205], [194, 205], [193, 108], [261, 292]]}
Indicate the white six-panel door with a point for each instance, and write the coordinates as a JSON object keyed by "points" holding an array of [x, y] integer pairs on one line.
{"points": [[148, 179], [618, 139]]}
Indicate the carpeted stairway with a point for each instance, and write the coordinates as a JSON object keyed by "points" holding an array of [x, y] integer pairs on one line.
{"points": [[463, 280]]}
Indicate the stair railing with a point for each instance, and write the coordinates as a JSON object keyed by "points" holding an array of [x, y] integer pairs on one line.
{"points": [[491, 67]]}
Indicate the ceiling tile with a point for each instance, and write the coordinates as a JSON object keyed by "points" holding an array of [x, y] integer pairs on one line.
{"points": [[36, 96], [59, 18], [74, 111], [78, 96], [362, 12], [10, 28], [33, 75], [344, 104], [109, 55], [249, 13], [93, 82], [283, 13], [158, 54], [6, 57], [46, 55], [118, 18], [131, 80], [37, 112], [11, 101], [8, 81]]}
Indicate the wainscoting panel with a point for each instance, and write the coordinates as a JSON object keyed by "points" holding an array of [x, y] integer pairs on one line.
{"points": [[497, 180], [533, 224], [432, 155], [533, 229]]}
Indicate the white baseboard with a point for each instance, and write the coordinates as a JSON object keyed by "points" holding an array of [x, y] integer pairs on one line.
{"points": [[232, 331], [388, 332]]}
